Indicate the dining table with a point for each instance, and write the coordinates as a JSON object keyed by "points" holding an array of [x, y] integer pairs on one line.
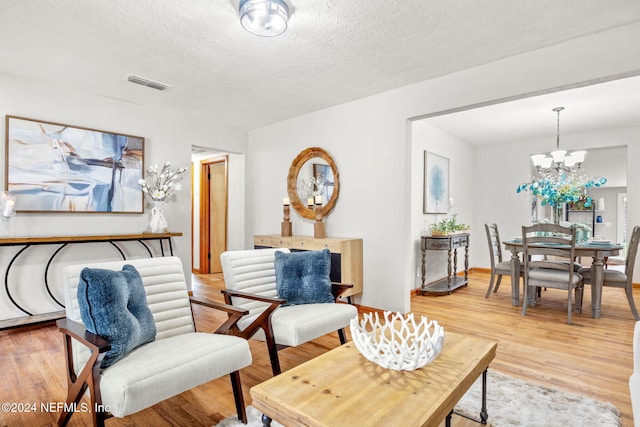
{"points": [[597, 250]]}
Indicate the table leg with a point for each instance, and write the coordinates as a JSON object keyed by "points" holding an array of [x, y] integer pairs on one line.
{"points": [[484, 415], [424, 267], [455, 262], [449, 266], [515, 278], [466, 263], [597, 276], [266, 421]]}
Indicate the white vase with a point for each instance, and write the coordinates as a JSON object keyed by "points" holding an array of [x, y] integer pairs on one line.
{"points": [[157, 222]]}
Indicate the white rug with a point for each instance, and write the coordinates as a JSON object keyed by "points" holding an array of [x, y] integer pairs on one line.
{"points": [[512, 403]]}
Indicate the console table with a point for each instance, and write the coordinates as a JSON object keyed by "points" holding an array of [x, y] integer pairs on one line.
{"points": [[346, 255], [62, 242], [450, 244]]}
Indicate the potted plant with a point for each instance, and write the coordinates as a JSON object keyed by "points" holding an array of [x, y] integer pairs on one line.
{"points": [[448, 226]]}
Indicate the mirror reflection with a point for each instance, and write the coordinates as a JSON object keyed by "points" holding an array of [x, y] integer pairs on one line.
{"points": [[313, 180]]}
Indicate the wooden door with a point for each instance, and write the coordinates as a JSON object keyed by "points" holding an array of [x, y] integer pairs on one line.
{"points": [[213, 214]]}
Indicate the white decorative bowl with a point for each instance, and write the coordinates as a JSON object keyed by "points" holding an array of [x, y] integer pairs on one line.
{"points": [[398, 342]]}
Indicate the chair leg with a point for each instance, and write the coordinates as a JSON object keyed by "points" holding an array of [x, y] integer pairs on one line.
{"points": [[493, 276], [273, 350], [569, 307], [238, 397], [525, 291], [632, 305], [343, 337], [579, 292], [497, 283]]}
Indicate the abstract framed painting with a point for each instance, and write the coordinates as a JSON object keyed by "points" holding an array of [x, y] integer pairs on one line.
{"points": [[436, 183], [53, 167]]}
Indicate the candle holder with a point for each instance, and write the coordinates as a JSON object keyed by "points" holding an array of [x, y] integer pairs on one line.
{"points": [[318, 227], [286, 226]]}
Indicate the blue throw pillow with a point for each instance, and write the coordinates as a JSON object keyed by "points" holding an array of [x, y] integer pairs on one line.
{"points": [[303, 277], [113, 305]]}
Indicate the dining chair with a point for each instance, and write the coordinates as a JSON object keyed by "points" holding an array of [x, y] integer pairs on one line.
{"points": [[550, 240], [618, 279], [498, 266]]}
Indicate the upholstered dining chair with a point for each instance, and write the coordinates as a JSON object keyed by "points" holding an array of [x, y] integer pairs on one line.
{"points": [[618, 279], [250, 281], [113, 298], [499, 267], [541, 241]]}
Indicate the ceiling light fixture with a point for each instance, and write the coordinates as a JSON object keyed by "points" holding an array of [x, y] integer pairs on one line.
{"points": [[265, 18], [559, 160]]}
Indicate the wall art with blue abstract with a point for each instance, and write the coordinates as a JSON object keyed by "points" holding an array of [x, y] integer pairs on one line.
{"points": [[52, 167], [436, 183]]}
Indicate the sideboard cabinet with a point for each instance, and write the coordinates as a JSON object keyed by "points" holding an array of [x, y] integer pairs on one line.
{"points": [[450, 244], [346, 255]]}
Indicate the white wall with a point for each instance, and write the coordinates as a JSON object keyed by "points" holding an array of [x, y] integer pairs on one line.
{"points": [[461, 174], [168, 136], [370, 142]]}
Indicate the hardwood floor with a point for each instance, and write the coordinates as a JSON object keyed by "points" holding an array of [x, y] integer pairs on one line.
{"points": [[592, 356]]}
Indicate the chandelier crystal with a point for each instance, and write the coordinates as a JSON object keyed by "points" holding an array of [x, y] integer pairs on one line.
{"points": [[560, 161]]}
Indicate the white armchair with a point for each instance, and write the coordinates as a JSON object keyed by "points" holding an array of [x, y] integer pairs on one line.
{"points": [[177, 360], [250, 280], [634, 380]]}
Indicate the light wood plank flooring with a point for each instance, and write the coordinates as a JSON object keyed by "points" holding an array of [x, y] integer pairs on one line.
{"points": [[593, 357]]}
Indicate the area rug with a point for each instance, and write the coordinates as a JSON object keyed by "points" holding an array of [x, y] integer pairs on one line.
{"points": [[513, 403]]}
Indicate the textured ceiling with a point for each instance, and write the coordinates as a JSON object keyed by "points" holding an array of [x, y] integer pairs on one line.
{"points": [[334, 50]]}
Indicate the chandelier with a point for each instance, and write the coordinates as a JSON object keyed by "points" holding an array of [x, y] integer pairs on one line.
{"points": [[560, 161], [266, 18]]}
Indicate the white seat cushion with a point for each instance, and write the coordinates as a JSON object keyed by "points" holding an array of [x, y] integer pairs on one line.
{"points": [[504, 267], [610, 276], [296, 324], [167, 367], [547, 276]]}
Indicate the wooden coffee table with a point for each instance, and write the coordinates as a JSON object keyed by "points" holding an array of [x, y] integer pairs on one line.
{"points": [[342, 388]]}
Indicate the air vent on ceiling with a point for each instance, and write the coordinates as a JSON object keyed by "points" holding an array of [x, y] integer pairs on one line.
{"points": [[147, 82]]}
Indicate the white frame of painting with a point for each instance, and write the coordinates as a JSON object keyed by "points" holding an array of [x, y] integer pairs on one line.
{"points": [[76, 172], [436, 183]]}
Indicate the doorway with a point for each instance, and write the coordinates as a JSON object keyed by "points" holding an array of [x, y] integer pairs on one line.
{"points": [[213, 213]]}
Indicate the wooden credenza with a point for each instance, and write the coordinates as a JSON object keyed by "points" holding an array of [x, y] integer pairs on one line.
{"points": [[346, 255]]}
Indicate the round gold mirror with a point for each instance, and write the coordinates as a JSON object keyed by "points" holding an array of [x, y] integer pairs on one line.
{"points": [[313, 178]]}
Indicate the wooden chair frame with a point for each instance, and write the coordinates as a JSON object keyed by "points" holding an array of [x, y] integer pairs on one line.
{"points": [[629, 264], [263, 321], [495, 251], [533, 244], [89, 376]]}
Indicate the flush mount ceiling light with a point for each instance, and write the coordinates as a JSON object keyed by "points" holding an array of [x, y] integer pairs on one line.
{"points": [[265, 18]]}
